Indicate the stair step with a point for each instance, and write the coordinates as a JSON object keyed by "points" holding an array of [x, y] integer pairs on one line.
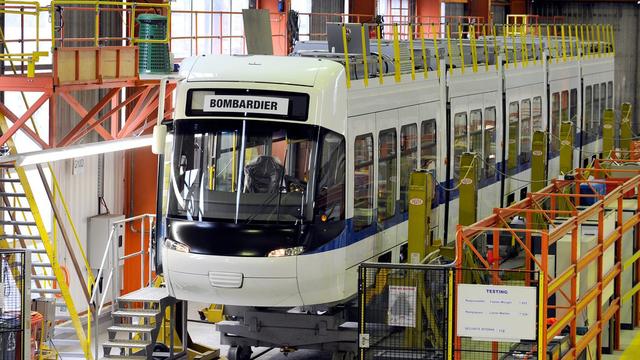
{"points": [[20, 237], [43, 277], [41, 264], [126, 343], [137, 357], [58, 341], [73, 355], [12, 194], [45, 291], [64, 329], [21, 223], [9, 180], [136, 312], [11, 208], [131, 328], [38, 251]]}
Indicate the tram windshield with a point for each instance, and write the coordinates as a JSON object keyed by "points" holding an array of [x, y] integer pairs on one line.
{"points": [[243, 171]]}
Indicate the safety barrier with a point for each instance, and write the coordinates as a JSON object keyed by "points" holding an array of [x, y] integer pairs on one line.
{"points": [[574, 235]]}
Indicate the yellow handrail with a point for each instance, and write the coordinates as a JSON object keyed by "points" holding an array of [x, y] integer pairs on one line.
{"points": [[411, 54], [365, 55]]}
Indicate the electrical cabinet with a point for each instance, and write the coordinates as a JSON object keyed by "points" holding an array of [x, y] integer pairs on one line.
{"points": [[99, 229]]}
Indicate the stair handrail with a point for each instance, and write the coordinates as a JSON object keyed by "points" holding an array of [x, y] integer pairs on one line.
{"points": [[111, 248]]}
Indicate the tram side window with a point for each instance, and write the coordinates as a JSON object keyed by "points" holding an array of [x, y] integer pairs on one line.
{"points": [[514, 131], [595, 117], [573, 107], [489, 142], [460, 142], [330, 188], [587, 113], [408, 160], [428, 149], [525, 131], [387, 174], [564, 106], [537, 114], [363, 182], [475, 134], [603, 106], [555, 123], [610, 94]]}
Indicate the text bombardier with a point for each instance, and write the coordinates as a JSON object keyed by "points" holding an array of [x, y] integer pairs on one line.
{"points": [[243, 104]]}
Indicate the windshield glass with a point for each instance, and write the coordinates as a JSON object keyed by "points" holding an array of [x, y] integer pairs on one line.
{"points": [[243, 171]]}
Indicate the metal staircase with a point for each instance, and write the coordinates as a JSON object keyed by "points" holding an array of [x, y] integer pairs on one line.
{"points": [[137, 321], [24, 228]]}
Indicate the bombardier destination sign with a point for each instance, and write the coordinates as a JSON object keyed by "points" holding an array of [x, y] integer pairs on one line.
{"points": [[246, 104]]}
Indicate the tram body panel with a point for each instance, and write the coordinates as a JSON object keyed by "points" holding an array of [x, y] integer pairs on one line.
{"points": [[595, 73]]}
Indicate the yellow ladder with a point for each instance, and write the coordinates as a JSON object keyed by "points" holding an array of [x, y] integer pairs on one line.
{"points": [[30, 232]]}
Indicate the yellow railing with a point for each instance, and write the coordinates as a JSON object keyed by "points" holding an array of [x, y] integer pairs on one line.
{"points": [[24, 9], [521, 45]]}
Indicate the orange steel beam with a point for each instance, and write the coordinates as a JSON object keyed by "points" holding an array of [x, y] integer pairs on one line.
{"points": [[89, 117], [14, 118], [23, 119], [135, 121], [136, 109], [80, 110]]}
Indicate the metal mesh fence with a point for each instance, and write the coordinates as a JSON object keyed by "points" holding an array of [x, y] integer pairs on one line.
{"points": [[404, 311], [479, 349], [12, 292]]}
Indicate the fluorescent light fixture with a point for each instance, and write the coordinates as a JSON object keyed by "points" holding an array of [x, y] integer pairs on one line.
{"points": [[74, 151]]}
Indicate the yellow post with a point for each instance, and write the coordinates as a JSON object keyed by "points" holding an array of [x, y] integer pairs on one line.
{"points": [[97, 26], [564, 46], [556, 47], [599, 41], [425, 69], [411, 53], [365, 55], [524, 48], [462, 65], [513, 44], [504, 44], [585, 47], [548, 40], [613, 40], [474, 51], [540, 43], [486, 49], [346, 56], [575, 33], [435, 47], [570, 42], [495, 47], [449, 48], [396, 53], [380, 71]]}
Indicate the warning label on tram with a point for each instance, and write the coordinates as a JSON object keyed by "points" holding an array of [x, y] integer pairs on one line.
{"points": [[246, 104]]}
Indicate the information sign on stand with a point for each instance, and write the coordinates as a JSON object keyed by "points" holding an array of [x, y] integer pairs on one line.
{"points": [[496, 313]]}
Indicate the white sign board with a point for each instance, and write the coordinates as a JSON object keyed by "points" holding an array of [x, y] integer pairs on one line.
{"points": [[496, 313], [246, 104], [402, 306]]}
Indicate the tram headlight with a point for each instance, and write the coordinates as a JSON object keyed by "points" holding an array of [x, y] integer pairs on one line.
{"points": [[174, 245], [287, 251]]}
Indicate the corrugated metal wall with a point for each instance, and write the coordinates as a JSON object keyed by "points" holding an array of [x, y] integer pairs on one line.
{"points": [[81, 194], [319, 23], [624, 18]]}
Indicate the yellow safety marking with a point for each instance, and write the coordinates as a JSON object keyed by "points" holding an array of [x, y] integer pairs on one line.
{"points": [[577, 40], [450, 317], [631, 260], [365, 55], [549, 41], [396, 52], [556, 47], [495, 47], [474, 51], [425, 71], [449, 48], [560, 281], [346, 56], [630, 293], [486, 49], [504, 42], [435, 46], [584, 53], [514, 46], [570, 42], [462, 64], [411, 53], [380, 73], [633, 351]]}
